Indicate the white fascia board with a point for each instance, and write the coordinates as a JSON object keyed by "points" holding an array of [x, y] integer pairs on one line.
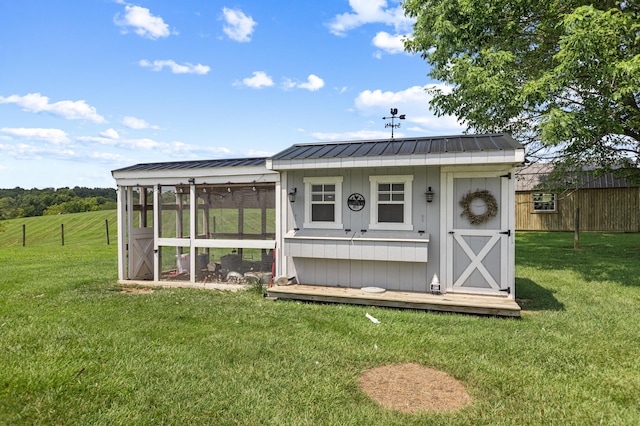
{"points": [[212, 175], [436, 159]]}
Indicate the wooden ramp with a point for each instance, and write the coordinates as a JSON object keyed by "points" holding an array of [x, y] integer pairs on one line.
{"points": [[460, 303]]}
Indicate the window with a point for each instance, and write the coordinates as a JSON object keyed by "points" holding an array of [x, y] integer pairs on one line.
{"points": [[391, 202], [544, 202], [323, 206]]}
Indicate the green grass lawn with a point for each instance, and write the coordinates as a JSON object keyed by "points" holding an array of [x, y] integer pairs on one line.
{"points": [[75, 350]]}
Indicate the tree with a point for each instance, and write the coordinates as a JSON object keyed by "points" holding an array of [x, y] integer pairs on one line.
{"points": [[562, 76]]}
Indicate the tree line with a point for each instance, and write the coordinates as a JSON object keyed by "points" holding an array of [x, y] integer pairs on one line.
{"points": [[19, 202]]}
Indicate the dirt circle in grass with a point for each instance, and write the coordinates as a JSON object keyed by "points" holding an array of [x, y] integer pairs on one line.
{"points": [[411, 387]]}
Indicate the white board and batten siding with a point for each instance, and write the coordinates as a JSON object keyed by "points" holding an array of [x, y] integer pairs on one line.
{"points": [[357, 259], [356, 255]]}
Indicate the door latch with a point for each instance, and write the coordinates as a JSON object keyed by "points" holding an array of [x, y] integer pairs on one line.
{"points": [[507, 233]]}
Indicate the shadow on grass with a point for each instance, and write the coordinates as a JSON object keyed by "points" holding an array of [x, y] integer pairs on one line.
{"points": [[532, 297]]}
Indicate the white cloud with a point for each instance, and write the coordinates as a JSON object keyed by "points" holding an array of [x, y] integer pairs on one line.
{"points": [[414, 103], [143, 22], [313, 83], [54, 136], [173, 149], [30, 152], [106, 157], [350, 136], [176, 68], [254, 153], [71, 110], [102, 140], [369, 12], [238, 26], [137, 123], [391, 44], [110, 133], [260, 79], [144, 143]]}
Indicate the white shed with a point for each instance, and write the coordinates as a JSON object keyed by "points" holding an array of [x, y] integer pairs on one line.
{"points": [[423, 223]]}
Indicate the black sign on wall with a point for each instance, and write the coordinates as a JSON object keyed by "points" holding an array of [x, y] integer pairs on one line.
{"points": [[356, 202]]}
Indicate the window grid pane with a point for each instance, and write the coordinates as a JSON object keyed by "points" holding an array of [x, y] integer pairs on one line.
{"points": [[544, 202], [393, 193], [391, 202], [323, 198]]}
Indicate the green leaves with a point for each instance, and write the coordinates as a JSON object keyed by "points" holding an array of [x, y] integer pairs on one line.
{"points": [[556, 73]]}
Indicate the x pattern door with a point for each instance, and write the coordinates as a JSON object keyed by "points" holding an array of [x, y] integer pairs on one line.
{"points": [[477, 253], [141, 254]]}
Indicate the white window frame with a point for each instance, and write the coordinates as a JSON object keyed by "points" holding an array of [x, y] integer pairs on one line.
{"points": [[407, 180], [543, 194], [333, 180]]}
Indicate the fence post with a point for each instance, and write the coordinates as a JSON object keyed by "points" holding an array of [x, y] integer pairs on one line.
{"points": [[62, 232], [106, 225], [24, 235], [576, 229]]}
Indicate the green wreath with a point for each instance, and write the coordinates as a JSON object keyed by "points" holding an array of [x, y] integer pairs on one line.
{"points": [[490, 202]]}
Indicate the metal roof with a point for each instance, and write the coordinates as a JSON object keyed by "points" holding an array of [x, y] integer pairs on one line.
{"points": [[534, 177], [365, 148], [197, 164], [404, 146]]}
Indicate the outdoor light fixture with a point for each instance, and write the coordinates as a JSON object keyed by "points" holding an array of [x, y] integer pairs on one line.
{"points": [[292, 195], [429, 195], [394, 112], [192, 181]]}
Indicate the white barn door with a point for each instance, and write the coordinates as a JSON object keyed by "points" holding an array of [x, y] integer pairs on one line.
{"points": [[478, 234], [141, 254]]}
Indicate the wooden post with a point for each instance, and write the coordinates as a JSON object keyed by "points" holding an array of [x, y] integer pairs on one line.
{"points": [[62, 232], [179, 224], [24, 235], [106, 226], [576, 228]]}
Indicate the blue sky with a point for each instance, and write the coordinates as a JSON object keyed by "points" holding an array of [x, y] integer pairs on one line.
{"points": [[88, 86]]}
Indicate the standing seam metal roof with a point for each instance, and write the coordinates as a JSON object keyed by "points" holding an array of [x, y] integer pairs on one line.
{"points": [[405, 146], [366, 148], [198, 164]]}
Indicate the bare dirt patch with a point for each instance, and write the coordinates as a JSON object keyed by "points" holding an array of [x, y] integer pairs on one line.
{"points": [[133, 290], [411, 387]]}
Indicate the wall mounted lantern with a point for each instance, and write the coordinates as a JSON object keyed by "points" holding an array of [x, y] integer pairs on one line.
{"points": [[292, 195], [429, 195]]}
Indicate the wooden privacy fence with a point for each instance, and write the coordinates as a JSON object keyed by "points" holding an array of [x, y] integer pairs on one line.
{"points": [[604, 210]]}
